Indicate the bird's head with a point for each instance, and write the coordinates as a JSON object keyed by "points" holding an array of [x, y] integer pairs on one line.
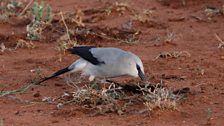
{"points": [[137, 69]]}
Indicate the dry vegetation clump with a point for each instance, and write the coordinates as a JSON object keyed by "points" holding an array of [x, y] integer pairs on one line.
{"points": [[120, 8], [94, 15], [103, 100], [161, 98], [24, 44], [42, 17], [9, 9], [162, 40], [213, 11], [174, 54], [143, 17], [3, 48], [118, 98], [117, 8], [19, 44], [147, 19]]}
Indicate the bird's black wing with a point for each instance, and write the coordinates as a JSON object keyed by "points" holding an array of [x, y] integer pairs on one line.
{"points": [[85, 53]]}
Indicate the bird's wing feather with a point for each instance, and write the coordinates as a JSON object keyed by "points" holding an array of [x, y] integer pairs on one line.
{"points": [[107, 55], [85, 53]]}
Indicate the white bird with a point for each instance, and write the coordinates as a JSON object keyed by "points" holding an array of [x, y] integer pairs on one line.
{"points": [[103, 63]]}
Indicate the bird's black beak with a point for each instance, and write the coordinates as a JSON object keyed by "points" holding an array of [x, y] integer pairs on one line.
{"points": [[141, 75], [62, 71]]}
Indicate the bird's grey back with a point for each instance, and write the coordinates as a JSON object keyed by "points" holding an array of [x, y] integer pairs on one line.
{"points": [[107, 54], [115, 61]]}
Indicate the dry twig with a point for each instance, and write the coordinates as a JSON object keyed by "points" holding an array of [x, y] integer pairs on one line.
{"points": [[27, 6], [221, 44], [66, 27]]}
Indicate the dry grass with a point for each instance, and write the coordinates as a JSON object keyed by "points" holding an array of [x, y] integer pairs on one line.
{"points": [[65, 42], [117, 7], [2, 47], [101, 101], [19, 44], [114, 98], [24, 44], [160, 98], [213, 11], [143, 17], [168, 38], [174, 54]]}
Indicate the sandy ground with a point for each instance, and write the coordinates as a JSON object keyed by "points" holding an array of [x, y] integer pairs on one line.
{"points": [[193, 32]]}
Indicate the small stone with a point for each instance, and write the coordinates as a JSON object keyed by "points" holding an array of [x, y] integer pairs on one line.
{"points": [[36, 94], [59, 105], [222, 57], [58, 84], [17, 112], [54, 121]]}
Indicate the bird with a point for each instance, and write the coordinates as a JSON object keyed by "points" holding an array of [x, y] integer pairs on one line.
{"points": [[104, 62]]}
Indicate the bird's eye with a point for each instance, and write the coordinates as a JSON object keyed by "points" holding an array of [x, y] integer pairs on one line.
{"points": [[138, 67]]}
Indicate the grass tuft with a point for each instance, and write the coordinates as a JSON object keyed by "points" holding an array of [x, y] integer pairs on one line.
{"points": [[161, 98], [42, 16]]}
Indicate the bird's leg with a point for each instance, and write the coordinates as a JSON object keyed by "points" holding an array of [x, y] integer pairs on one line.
{"points": [[91, 78]]}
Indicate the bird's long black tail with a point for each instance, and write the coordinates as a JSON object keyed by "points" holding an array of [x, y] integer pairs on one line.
{"points": [[62, 71]]}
